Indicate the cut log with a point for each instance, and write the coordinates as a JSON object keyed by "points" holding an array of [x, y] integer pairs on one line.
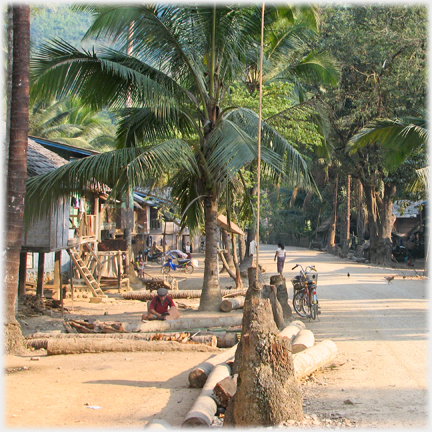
{"points": [[302, 340], [199, 375], [290, 331], [177, 294], [57, 346], [224, 339], [229, 304], [225, 390], [210, 340], [269, 292], [184, 323], [157, 424], [203, 410], [313, 358]]}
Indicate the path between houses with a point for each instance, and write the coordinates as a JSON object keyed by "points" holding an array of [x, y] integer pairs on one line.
{"points": [[378, 380]]}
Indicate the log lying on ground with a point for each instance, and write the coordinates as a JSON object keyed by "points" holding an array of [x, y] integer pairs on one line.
{"points": [[302, 340], [229, 304], [77, 346], [224, 390], [157, 424], [199, 375], [313, 358], [224, 339], [205, 407], [185, 323], [38, 340], [182, 294], [210, 340], [291, 330]]}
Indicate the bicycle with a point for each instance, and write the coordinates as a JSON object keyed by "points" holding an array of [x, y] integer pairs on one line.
{"points": [[305, 300]]}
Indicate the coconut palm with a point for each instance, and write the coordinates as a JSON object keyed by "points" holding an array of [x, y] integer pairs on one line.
{"points": [[183, 61], [70, 122], [397, 138]]}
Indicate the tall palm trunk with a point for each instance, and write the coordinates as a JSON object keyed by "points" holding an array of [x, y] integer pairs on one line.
{"points": [[332, 231], [211, 295], [17, 169]]}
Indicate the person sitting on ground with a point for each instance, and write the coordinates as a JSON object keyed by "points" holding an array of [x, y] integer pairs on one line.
{"points": [[160, 306]]}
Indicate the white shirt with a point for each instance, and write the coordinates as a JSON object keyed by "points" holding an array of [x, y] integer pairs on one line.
{"points": [[280, 252]]}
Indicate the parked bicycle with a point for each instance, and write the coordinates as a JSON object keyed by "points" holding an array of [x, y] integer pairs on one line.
{"points": [[305, 300], [185, 265]]}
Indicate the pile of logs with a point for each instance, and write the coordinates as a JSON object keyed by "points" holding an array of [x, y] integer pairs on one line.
{"points": [[219, 384]]}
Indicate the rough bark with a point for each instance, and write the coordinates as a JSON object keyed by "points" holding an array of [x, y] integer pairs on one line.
{"points": [[57, 346], [269, 292], [282, 294], [267, 392], [17, 170], [238, 279], [211, 295]]}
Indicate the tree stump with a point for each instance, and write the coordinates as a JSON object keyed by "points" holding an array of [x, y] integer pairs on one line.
{"points": [[269, 292], [282, 294], [267, 393]]}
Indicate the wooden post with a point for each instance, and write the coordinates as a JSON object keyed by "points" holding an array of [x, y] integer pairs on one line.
{"points": [[22, 273], [57, 269], [71, 281], [119, 263], [40, 277]]}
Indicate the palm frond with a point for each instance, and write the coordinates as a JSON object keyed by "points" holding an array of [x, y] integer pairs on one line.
{"points": [[120, 170], [397, 138]]}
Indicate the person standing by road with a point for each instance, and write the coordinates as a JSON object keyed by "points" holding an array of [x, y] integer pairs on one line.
{"points": [[280, 255]]}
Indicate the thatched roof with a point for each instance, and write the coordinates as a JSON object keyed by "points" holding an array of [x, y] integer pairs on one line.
{"points": [[40, 160]]}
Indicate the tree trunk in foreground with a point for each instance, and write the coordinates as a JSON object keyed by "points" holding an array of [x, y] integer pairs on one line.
{"points": [[211, 297], [17, 170], [267, 392]]}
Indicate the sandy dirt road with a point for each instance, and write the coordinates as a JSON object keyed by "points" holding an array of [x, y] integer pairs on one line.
{"points": [[378, 380]]}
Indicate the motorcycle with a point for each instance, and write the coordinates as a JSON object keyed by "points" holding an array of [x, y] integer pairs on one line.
{"points": [[186, 265], [305, 300], [156, 257]]}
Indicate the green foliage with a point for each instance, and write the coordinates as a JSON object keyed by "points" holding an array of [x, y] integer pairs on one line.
{"points": [[70, 122], [58, 21]]}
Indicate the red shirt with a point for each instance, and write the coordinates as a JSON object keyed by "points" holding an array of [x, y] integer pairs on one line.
{"points": [[161, 307]]}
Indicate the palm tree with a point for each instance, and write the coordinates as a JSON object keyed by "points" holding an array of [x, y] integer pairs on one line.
{"points": [[397, 140], [17, 169], [70, 122], [184, 60]]}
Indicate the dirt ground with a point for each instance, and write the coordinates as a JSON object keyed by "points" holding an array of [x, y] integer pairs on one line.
{"points": [[378, 379]]}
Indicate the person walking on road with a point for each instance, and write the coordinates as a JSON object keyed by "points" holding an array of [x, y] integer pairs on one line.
{"points": [[280, 255]]}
